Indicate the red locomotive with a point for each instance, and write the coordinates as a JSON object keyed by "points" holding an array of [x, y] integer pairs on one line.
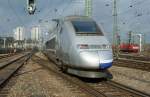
{"points": [[125, 47]]}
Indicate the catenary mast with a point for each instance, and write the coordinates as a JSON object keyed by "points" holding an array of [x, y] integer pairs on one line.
{"points": [[88, 8], [115, 22], [115, 28]]}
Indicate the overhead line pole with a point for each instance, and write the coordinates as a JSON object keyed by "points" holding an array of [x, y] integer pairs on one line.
{"points": [[88, 8], [115, 26]]}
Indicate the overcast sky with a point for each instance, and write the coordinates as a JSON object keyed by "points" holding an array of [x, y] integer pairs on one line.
{"points": [[133, 15]]}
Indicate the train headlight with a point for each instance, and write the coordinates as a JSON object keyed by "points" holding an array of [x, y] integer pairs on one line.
{"points": [[83, 46], [108, 46], [101, 47], [30, 8]]}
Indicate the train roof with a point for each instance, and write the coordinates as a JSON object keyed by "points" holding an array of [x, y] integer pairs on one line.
{"points": [[71, 18]]}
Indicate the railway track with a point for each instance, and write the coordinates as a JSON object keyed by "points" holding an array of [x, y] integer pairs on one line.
{"points": [[5, 56], [113, 89], [98, 89], [9, 68], [135, 64], [135, 57]]}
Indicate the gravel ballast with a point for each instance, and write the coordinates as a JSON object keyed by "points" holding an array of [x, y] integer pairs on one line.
{"points": [[35, 81], [133, 78]]}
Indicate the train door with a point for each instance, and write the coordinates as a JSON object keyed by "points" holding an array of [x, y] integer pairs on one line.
{"points": [[59, 42], [64, 44]]}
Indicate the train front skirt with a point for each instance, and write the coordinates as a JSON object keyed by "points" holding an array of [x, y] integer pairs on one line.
{"points": [[105, 65], [90, 74]]}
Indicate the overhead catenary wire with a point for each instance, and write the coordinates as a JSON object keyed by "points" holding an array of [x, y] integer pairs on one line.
{"points": [[135, 4], [108, 18], [65, 7], [11, 7], [2, 29], [17, 16], [55, 9]]}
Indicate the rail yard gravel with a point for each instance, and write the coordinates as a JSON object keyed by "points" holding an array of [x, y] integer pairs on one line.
{"points": [[35, 81], [133, 78]]}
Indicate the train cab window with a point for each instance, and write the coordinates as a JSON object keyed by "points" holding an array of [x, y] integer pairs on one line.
{"points": [[86, 27]]}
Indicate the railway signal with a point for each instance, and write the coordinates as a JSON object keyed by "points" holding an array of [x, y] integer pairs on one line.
{"points": [[31, 6]]}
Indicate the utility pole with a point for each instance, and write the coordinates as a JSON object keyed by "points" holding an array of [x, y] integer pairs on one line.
{"points": [[19, 38], [129, 37], [115, 22], [115, 27], [88, 8], [140, 40], [4, 42]]}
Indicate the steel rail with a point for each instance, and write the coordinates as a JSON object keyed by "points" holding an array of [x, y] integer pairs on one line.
{"points": [[90, 90], [127, 88], [132, 64], [11, 68], [135, 57], [4, 56], [4, 64]]}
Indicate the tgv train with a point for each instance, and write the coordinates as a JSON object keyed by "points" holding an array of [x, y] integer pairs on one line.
{"points": [[31, 6], [79, 47]]}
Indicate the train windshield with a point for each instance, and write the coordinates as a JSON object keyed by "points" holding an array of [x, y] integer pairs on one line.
{"points": [[86, 27]]}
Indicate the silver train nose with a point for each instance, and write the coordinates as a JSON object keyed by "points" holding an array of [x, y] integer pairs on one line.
{"points": [[96, 59], [89, 60]]}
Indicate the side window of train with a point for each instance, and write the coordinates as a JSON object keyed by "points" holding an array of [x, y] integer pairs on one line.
{"points": [[51, 44]]}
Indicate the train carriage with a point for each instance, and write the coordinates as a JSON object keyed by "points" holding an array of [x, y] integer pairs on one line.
{"points": [[79, 47]]}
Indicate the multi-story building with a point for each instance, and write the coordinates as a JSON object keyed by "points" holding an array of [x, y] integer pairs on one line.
{"points": [[19, 33]]}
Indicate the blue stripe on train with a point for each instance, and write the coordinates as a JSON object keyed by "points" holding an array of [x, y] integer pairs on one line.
{"points": [[105, 65]]}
